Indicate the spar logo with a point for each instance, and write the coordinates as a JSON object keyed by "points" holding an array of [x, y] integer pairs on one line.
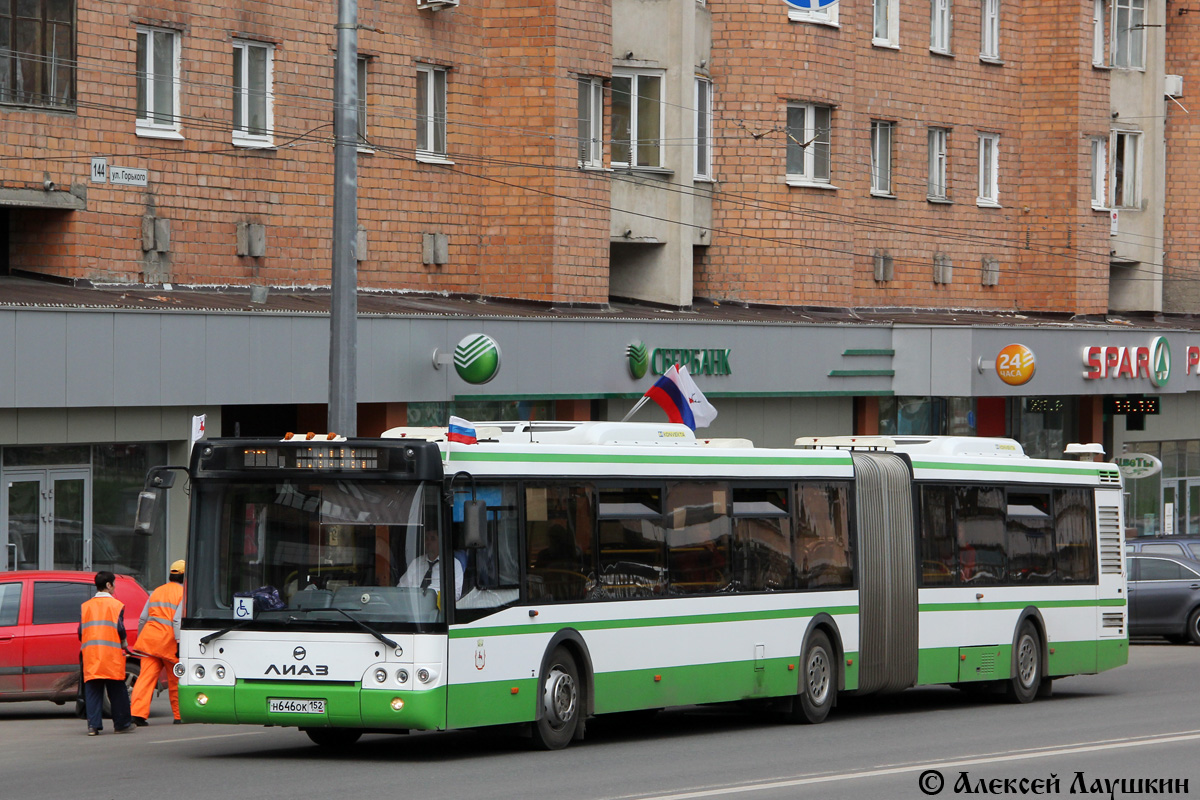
{"points": [[639, 359], [477, 358], [1152, 363]]}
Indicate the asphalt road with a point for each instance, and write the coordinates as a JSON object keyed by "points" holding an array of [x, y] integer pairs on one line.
{"points": [[1141, 721]]}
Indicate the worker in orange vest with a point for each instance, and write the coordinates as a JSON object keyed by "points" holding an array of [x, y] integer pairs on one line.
{"points": [[159, 644], [102, 642]]}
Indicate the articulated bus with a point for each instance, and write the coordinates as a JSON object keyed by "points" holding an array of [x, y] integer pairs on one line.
{"points": [[552, 572]]}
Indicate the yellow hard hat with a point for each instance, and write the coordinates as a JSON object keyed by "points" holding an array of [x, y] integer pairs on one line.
{"points": [[177, 568]]}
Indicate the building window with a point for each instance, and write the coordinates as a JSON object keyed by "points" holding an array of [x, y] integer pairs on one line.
{"points": [[1126, 169], [808, 143], [886, 28], [937, 163], [253, 114], [591, 117], [989, 170], [1129, 34], [431, 112], [37, 53], [881, 157], [637, 119], [703, 128], [363, 143], [1099, 16], [1099, 173], [157, 82], [989, 43], [819, 16], [939, 26]]}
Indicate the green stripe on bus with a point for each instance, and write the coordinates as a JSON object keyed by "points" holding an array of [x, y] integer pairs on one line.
{"points": [[1112, 602], [600, 458], [346, 705], [648, 622], [941, 665], [1092, 472]]}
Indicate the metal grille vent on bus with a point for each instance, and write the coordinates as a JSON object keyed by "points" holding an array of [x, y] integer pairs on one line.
{"points": [[1110, 540], [1113, 619], [1110, 477]]}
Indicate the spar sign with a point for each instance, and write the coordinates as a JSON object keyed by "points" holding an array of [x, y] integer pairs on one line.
{"points": [[1151, 363]]}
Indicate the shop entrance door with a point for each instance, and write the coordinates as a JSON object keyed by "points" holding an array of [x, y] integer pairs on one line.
{"points": [[47, 518]]}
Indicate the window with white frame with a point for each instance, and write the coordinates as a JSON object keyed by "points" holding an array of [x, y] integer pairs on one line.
{"points": [[938, 140], [253, 112], [157, 82], [939, 26], [886, 26], [1099, 21], [881, 157], [807, 131], [1129, 34], [819, 16], [703, 128], [1099, 172], [1126, 169], [431, 112], [637, 119], [590, 110], [363, 143], [989, 170], [989, 37]]}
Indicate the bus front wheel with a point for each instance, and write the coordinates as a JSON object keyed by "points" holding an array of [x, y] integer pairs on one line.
{"points": [[1027, 676], [560, 699], [818, 681]]}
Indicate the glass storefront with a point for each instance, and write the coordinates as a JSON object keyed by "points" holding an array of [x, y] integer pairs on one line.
{"points": [[1168, 502], [936, 416], [438, 414], [72, 506]]}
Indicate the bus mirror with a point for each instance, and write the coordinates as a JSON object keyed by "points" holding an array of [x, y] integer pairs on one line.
{"points": [[143, 520], [161, 478], [474, 530]]}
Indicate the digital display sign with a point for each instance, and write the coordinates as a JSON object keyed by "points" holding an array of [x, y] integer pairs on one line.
{"points": [[315, 457], [1131, 404]]}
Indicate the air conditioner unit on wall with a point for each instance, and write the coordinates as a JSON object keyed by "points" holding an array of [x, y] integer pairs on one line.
{"points": [[435, 5], [1173, 85]]}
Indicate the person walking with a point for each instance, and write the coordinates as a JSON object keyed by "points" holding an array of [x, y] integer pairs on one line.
{"points": [[103, 647], [158, 645]]}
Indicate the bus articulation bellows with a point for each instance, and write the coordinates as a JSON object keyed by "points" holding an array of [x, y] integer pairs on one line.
{"points": [[552, 572]]}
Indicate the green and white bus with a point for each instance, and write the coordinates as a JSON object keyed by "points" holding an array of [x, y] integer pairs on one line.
{"points": [[552, 572]]}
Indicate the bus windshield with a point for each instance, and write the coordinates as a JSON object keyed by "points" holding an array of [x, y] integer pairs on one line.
{"points": [[314, 553]]}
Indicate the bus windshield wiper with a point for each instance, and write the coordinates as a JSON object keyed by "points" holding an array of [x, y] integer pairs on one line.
{"points": [[364, 626], [239, 626]]}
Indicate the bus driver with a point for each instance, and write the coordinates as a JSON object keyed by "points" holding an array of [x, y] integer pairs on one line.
{"points": [[425, 571]]}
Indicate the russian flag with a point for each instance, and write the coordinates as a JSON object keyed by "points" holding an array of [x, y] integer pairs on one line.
{"points": [[669, 396], [460, 431]]}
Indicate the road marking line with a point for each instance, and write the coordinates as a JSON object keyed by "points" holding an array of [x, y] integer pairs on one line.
{"points": [[1089, 747], [214, 736]]}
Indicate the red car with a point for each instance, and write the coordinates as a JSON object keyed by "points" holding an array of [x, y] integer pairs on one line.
{"points": [[39, 631]]}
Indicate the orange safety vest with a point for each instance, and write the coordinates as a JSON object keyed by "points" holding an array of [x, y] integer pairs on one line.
{"points": [[157, 637], [103, 652]]}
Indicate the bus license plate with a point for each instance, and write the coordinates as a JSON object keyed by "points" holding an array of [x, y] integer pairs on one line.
{"points": [[290, 706]]}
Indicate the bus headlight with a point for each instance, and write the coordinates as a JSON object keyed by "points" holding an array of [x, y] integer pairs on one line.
{"points": [[402, 675], [380, 675], [201, 699], [424, 675], [199, 672], [219, 671], [178, 669], [397, 704]]}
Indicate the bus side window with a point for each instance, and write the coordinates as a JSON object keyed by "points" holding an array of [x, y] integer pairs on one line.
{"points": [[822, 535], [559, 521], [982, 552], [938, 548]]}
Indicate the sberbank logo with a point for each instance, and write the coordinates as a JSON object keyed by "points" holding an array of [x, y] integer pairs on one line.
{"points": [[477, 358], [1160, 361], [639, 359]]}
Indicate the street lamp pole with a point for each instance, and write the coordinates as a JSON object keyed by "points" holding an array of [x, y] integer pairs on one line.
{"points": [[343, 307]]}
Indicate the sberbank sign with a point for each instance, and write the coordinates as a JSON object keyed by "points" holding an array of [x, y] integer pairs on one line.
{"points": [[707, 361]]}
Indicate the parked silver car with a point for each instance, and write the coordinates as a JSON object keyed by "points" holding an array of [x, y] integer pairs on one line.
{"points": [[1164, 597], [1178, 546]]}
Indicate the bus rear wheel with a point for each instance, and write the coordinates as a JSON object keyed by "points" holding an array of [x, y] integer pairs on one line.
{"points": [[818, 681], [1027, 676], [333, 738], [560, 703]]}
